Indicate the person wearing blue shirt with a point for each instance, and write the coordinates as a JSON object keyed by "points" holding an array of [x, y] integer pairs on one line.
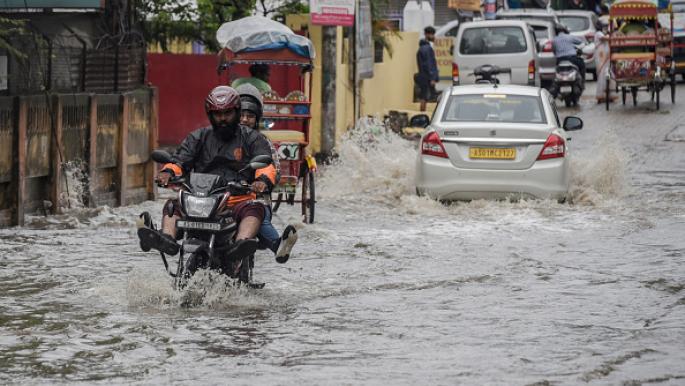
{"points": [[427, 76], [564, 45]]}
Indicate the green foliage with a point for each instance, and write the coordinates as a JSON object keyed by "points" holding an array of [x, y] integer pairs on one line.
{"points": [[168, 20], [381, 30], [10, 28]]}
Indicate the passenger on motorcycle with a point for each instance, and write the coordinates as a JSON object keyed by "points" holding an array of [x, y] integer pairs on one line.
{"points": [[223, 149], [564, 45], [250, 115]]}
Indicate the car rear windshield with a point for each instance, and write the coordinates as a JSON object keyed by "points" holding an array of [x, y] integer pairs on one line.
{"points": [[541, 32], [575, 23], [494, 108], [492, 40]]}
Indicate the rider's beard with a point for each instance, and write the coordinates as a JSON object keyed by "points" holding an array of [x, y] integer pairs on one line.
{"points": [[225, 130]]}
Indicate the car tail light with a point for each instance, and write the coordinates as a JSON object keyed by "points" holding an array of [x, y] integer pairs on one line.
{"points": [[455, 74], [431, 145], [554, 148], [531, 71], [547, 47]]}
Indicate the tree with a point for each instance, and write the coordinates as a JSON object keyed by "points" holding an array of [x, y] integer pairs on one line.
{"points": [[10, 28], [168, 20]]}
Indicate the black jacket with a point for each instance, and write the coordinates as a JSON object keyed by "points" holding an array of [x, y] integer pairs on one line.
{"points": [[203, 151], [425, 60]]}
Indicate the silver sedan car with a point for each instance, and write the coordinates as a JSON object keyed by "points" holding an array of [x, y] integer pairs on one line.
{"points": [[495, 142]]}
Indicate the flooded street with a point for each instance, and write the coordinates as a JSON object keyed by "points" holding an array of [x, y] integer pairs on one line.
{"points": [[385, 287]]}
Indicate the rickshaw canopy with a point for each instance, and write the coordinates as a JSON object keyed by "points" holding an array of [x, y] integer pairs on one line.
{"points": [[633, 10], [246, 37]]}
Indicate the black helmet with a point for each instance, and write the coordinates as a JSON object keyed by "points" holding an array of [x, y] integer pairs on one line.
{"points": [[250, 99]]}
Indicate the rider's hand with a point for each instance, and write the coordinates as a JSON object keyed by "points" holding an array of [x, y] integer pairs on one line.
{"points": [[259, 186], [163, 178], [433, 83]]}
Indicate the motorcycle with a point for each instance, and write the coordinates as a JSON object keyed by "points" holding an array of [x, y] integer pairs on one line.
{"points": [[207, 226], [568, 83]]}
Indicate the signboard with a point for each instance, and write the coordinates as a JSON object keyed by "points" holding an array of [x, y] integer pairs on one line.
{"points": [[332, 12], [466, 5], [364, 41], [442, 47]]}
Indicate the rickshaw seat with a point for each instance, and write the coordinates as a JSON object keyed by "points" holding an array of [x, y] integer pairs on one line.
{"points": [[284, 135]]}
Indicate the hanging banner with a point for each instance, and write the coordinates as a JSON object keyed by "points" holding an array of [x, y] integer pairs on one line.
{"points": [[332, 12], [364, 41]]}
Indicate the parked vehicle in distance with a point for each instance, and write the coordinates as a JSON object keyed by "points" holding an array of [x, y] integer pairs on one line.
{"points": [[495, 142], [507, 44], [677, 7], [527, 14], [544, 34], [582, 24]]}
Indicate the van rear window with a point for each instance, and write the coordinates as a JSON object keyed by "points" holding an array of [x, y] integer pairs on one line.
{"points": [[575, 23], [492, 40]]}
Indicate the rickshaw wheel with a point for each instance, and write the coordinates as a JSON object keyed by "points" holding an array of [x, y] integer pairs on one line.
{"points": [[673, 75], [308, 197], [623, 95], [607, 91], [633, 90], [277, 202], [657, 92]]}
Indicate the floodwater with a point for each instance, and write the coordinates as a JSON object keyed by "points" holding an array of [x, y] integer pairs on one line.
{"points": [[385, 286]]}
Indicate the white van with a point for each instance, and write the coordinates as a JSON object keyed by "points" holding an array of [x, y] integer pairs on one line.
{"points": [[508, 44]]}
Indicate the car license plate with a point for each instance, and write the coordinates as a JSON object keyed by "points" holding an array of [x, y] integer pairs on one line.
{"points": [[565, 89], [492, 152], [206, 226]]}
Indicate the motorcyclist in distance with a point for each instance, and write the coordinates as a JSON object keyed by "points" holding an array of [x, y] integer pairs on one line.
{"points": [[564, 45], [223, 149], [251, 114]]}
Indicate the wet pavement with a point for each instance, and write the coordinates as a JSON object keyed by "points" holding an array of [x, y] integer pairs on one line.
{"points": [[385, 287]]}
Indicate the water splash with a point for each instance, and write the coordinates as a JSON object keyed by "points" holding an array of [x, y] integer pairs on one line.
{"points": [[598, 175]]}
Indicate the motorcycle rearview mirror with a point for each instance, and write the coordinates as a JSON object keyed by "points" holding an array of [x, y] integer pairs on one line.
{"points": [[260, 161], [573, 123], [161, 156]]}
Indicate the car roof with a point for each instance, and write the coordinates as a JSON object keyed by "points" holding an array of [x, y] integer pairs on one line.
{"points": [[509, 89], [494, 23], [575, 12], [539, 22], [525, 11]]}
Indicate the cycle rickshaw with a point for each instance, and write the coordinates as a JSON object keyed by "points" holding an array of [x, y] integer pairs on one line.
{"points": [[640, 51], [286, 118]]}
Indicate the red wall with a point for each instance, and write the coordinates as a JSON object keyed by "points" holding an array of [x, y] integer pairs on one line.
{"points": [[184, 81]]}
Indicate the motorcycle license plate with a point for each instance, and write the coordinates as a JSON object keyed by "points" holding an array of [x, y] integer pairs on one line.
{"points": [[566, 89], [492, 152], [206, 226]]}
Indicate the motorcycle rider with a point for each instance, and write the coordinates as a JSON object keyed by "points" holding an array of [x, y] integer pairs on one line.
{"points": [[251, 104], [224, 148], [564, 45]]}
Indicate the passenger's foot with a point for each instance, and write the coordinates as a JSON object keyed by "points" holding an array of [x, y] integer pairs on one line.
{"points": [[150, 238], [288, 240]]}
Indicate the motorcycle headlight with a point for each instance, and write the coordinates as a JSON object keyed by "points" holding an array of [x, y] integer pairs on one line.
{"points": [[198, 206]]}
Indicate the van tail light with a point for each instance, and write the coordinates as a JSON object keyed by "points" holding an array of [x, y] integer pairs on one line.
{"points": [[547, 47], [554, 148], [531, 71], [431, 145], [455, 74]]}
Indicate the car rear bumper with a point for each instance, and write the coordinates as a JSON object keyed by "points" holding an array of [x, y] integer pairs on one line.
{"points": [[440, 179]]}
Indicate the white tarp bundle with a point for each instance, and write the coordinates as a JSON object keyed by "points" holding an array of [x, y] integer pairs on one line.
{"points": [[254, 33]]}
